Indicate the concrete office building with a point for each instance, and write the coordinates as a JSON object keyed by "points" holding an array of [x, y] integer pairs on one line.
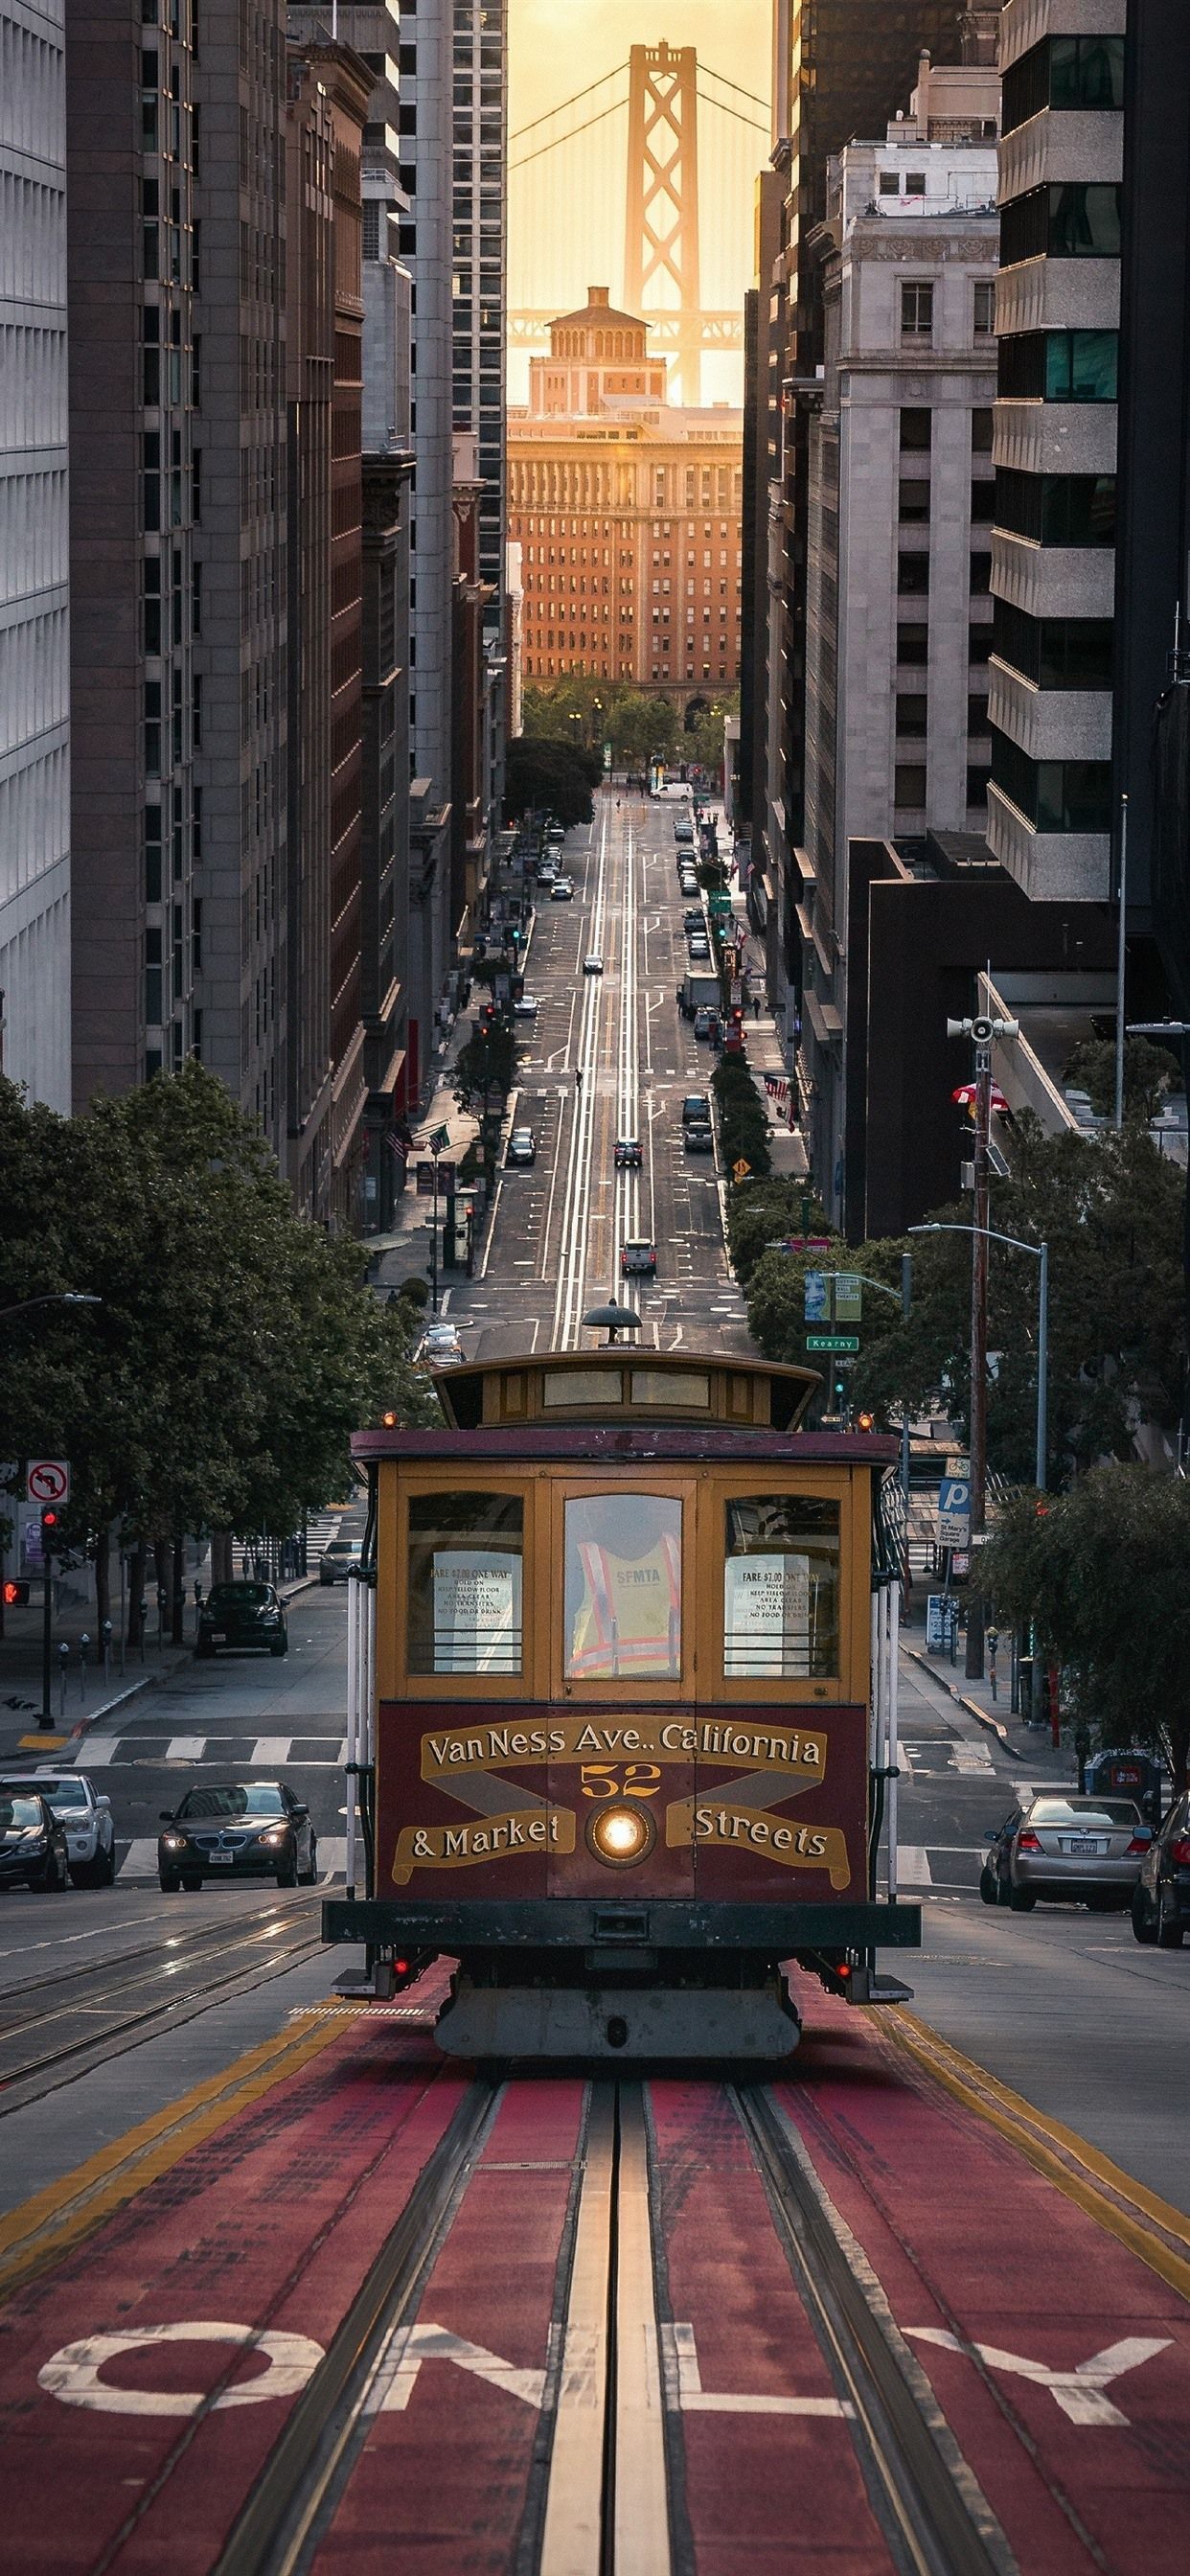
{"points": [[840, 68], [479, 259], [900, 501], [1050, 805], [34, 531]]}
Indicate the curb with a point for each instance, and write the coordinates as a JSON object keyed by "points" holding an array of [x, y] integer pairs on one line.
{"points": [[995, 1725]]}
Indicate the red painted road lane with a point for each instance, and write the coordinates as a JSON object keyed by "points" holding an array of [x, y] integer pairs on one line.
{"points": [[973, 2246], [762, 2490], [270, 2224], [441, 2484]]}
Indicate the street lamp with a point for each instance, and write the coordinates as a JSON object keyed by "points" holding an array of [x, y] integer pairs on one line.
{"points": [[1041, 1253], [57, 1297]]}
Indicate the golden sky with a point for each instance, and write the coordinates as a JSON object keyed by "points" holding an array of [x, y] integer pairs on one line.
{"points": [[566, 207]]}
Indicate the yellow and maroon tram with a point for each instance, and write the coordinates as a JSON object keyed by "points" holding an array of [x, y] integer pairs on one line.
{"points": [[622, 1675]]}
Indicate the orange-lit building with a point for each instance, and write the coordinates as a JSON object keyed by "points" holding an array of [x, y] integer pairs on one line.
{"points": [[627, 512]]}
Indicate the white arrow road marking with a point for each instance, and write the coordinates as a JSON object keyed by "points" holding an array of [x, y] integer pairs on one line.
{"points": [[685, 2394], [395, 2381], [1079, 2392], [73, 2374]]}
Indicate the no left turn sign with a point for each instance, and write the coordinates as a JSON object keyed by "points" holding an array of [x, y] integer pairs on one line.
{"points": [[48, 1480]]}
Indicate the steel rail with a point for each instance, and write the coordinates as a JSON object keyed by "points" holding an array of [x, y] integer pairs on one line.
{"points": [[938, 2521]]}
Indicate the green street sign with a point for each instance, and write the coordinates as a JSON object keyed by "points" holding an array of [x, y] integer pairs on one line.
{"points": [[832, 1341]]}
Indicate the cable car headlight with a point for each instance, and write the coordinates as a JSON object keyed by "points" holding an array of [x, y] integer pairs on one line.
{"points": [[621, 1836]]}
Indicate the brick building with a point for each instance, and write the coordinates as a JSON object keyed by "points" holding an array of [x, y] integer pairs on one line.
{"points": [[626, 509]]}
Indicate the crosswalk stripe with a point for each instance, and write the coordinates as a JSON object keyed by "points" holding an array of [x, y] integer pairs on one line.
{"points": [[913, 1865], [185, 1748], [332, 1856], [95, 1751], [140, 1859], [272, 1750]]}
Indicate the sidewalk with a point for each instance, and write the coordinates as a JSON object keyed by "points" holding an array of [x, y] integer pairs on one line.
{"points": [[1027, 1744], [20, 1671], [766, 1054]]}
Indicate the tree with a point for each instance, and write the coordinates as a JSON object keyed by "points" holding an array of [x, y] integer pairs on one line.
{"points": [[1149, 1073], [704, 738], [743, 1122], [1104, 1573], [766, 1212], [235, 1347], [549, 777]]}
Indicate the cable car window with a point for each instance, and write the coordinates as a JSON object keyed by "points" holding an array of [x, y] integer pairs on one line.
{"points": [[465, 1583], [690, 1387], [624, 1587], [582, 1387], [781, 1588]]}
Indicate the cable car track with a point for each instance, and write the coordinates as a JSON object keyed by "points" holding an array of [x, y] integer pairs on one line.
{"points": [[606, 2493]]}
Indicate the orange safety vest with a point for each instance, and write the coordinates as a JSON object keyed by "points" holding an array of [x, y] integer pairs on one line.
{"points": [[632, 1607]]}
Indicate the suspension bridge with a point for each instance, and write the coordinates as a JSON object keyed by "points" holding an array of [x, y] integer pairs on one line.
{"points": [[647, 176]]}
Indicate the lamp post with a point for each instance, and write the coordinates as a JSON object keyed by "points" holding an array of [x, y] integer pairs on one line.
{"points": [[58, 1297]]}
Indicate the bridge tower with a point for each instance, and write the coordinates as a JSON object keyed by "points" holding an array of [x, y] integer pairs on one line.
{"points": [[661, 268]]}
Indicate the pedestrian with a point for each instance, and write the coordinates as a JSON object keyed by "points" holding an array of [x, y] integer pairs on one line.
{"points": [[756, 1004], [578, 1077]]}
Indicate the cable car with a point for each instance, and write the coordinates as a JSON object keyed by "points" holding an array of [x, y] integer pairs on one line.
{"points": [[621, 1683]]}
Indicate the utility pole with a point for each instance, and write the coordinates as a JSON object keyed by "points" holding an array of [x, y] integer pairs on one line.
{"points": [[906, 1303], [1121, 959], [981, 1030]]}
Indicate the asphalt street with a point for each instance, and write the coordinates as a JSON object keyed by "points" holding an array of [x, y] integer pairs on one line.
{"points": [[1061, 2004]]}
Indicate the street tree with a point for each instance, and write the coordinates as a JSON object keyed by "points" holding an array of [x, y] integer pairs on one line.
{"points": [[551, 777], [1103, 1572]]}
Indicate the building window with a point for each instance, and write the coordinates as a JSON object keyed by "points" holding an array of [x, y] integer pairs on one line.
{"points": [[912, 715], [985, 307], [983, 502], [909, 785], [890, 183], [979, 644], [913, 647], [1059, 366], [1054, 652], [914, 504], [981, 574], [977, 715], [917, 312], [916, 429], [983, 423], [978, 780], [913, 575], [1069, 221], [1057, 509], [1064, 72], [1053, 795]]}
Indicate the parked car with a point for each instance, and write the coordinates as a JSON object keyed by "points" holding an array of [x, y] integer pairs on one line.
{"points": [[593, 965], [556, 833], [688, 883], [526, 1007], [638, 1259], [338, 1558], [546, 872], [562, 890], [629, 1154], [237, 1829], [1161, 1896], [521, 1149], [704, 1020], [696, 1109], [1065, 1846], [33, 1848], [242, 1614], [698, 947], [86, 1817], [699, 1139], [693, 919]]}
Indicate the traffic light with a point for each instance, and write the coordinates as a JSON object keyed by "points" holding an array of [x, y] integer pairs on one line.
{"points": [[839, 1391], [15, 1595], [49, 1531], [865, 1421]]}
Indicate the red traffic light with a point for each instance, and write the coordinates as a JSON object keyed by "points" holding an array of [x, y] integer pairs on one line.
{"points": [[49, 1520], [14, 1595]]}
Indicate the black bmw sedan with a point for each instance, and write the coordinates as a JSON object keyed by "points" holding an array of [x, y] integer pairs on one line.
{"points": [[237, 1829]]}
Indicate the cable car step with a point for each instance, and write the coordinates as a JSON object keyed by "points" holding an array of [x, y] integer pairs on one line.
{"points": [[618, 2024]]}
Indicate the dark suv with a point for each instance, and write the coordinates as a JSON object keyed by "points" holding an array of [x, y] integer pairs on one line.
{"points": [[696, 1109], [242, 1614], [1161, 1897]]}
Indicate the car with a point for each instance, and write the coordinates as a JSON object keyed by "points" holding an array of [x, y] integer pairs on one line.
{"points": [[593, 965], [237, 1829], [629, 1154], [242, 1614], [699, 1139], [698, 945], [546, 872], [556, 833], [705, 1021], [696, 1109], [33, 1847], [562, 890], [1063, 1845], [526, 1007], [86, 1817], [687, 881], [638, 1259], [439, 1346], [693, 919], [339, 1558], [521, 1149], [1161, 1896]]}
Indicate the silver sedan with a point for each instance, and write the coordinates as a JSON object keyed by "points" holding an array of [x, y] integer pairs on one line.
{"points": [[1063, 1845]]}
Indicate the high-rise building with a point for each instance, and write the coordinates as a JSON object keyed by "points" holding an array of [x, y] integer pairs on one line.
{"points": [[840, 67], [1058, 318], [899, 438], [627, 513], [479, 90], [34, 532]]}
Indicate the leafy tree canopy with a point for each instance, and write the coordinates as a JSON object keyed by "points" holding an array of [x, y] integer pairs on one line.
{"points": [[549, 777], [235, 1347], [1104, 1571], [1149, 1073]]}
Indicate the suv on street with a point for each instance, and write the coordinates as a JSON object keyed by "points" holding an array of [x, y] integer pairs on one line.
{"points": [[638, 1260], [696, 1109], [86, 1816], [242, 1614]]}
